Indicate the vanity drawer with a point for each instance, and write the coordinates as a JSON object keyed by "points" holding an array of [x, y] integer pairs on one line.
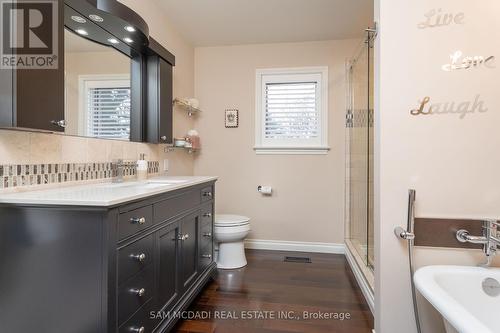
{"points": [[134, 257], [206, 253], [206, 242], [135, 293], [139, 320], [170, 207], [134, 221], [207, 214], [207, 193], [206, 229]]}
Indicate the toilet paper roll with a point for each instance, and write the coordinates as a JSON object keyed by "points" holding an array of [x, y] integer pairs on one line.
{"points": [[267, 190]]}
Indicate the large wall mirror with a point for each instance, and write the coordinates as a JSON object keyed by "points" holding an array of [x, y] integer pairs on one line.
{"points": [[113, 81], [97, 84]]}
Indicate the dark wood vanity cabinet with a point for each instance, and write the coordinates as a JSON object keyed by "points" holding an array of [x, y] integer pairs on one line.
{"points": [[116, 269]]}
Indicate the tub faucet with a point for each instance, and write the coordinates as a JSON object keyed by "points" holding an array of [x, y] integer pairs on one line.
{"points": [[489, 239]]}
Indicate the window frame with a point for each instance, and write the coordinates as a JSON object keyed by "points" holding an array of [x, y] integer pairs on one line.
{"points": [[87, 82], [291, 75]]}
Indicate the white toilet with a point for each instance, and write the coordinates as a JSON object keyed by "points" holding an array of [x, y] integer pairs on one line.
{"points": [[230, 233]]}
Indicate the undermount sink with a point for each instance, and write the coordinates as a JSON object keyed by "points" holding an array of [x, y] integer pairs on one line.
{"points": [[467, 297], [169, 181], [146, 184]]}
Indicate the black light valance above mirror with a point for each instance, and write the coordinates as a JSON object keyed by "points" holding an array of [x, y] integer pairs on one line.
{"points": [[113, 81]]}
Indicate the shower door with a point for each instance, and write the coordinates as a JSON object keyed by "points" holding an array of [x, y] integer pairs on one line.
{"points": [[359, 137]]}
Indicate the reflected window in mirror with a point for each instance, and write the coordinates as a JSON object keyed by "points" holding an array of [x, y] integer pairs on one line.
{"points": [[97, 89]]}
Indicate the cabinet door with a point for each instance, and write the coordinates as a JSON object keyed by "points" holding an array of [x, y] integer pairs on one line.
{"points": [[159, 101], [7, 118], [165, 121], [169, 265], [190, 233], [34, 98]]}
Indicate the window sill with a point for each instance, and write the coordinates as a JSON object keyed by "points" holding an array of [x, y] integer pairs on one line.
{"points": [[291, 150]]}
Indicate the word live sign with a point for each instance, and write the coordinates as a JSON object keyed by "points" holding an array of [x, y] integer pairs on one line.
{"points": [[436, 18]]}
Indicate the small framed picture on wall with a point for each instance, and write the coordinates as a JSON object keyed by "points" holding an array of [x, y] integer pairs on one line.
{"points": [[232, 118]]}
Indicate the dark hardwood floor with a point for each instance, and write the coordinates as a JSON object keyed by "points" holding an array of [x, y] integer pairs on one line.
{"points": [[326, 285]]}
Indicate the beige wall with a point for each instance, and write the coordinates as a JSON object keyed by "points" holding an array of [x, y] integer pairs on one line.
{"points": [[451, 162], [309, 189], [24, 147]]}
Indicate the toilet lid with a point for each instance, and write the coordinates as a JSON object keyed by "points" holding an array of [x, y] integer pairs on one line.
{"points": [[230, 220]]}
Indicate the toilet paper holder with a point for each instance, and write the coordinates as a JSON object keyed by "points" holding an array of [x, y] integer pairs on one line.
{"points": [[266, 190]]}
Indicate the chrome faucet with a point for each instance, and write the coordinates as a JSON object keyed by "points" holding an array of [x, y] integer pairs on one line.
{"points": [[489, 239], [117, 169]]}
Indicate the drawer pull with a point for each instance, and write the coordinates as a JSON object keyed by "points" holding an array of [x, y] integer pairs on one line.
{"points": [[207, 215], [138, 220], [207, 234], [139, 257], [137, 329], [182, 237], [208, 256], [139, 292], [207, 194]]}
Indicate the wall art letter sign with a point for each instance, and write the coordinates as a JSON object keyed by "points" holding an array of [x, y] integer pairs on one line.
{"points": [[436, 18], [457, 62], [439, 108]]}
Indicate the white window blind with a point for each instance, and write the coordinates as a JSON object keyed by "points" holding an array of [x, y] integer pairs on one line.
{"points": [[292, 111], [109, 112], [106, 106]]}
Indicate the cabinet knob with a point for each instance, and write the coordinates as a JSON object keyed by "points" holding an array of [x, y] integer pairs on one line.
{"points": [[181, 237], [60, 123], [139, 292], [163, 138], [208, 256], [137, 329], [139, 257], [138, 220], [207, 215], [207, 234], [207, 194]]}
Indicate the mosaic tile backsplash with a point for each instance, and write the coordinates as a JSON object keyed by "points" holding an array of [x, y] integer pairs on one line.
{"points": [[12, 176]]}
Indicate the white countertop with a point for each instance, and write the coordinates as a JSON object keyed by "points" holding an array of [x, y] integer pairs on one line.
{"points": [[102, 194]]}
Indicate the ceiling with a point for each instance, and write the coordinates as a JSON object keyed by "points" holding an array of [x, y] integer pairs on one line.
{"points": [[233, 22]]}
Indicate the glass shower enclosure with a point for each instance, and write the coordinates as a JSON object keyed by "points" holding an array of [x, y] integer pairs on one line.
{"points": [[359, 157]]}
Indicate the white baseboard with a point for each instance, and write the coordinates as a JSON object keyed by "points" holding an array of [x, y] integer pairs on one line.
{"points": [[279, 245], [363, 284]]}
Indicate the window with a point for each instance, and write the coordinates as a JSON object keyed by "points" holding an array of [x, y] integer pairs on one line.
{"points": [[292, 111], [106, 107]]}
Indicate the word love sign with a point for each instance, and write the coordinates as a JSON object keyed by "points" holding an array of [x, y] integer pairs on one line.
{"points": [[436, 18], [462, 108], [460, 62]]}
